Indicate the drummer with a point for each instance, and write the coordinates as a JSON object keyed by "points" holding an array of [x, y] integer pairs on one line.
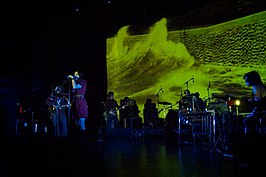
{"points": [[186, 102]]}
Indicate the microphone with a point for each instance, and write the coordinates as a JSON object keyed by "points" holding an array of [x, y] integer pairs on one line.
{"points": [[193, 79], [70, 77], [161, 89], [209, 86]]}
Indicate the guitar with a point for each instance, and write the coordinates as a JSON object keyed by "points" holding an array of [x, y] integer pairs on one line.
{"points": [[53, 104], [114, 111]]}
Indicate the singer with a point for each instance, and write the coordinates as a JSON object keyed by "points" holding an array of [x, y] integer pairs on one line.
{"points": [[79, 105]]}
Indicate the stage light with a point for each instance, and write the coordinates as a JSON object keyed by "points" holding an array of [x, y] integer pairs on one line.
{"points": [[233, 102], [237, 102]]}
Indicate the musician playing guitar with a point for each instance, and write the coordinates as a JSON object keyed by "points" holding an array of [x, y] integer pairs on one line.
{"points": [[57, 116], [110, 111]]}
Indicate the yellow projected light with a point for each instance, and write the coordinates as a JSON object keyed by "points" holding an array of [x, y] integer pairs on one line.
{"points": [[160, 65]]}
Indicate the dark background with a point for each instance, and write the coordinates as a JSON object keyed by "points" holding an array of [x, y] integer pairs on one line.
{"points": [[44, 41]]}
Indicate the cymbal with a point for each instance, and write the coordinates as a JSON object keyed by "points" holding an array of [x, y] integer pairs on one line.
{"points": [[222, 96], [208, 98], [165, 103]]}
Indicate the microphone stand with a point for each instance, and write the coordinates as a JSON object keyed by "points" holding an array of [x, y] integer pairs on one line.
{"points": [[208, 89], [157, 97], [189, 81], [69, 108]]}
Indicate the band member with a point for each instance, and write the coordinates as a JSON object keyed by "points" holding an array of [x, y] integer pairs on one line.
{"points": [[110, 111], [57, 115], [186, 103], [258, 100], [79, 105], [150, 113], [130, 109], [249, 147], [124, 113]]}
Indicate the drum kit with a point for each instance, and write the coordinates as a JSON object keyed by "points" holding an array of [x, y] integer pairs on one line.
{"points": [[166, 105], [218, 103], [222, 105]]}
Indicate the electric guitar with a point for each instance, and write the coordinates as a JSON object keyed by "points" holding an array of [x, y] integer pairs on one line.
{"points": [[114, 111]]}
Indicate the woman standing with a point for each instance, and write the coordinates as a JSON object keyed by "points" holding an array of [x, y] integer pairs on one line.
{"points": [[79, 105]]}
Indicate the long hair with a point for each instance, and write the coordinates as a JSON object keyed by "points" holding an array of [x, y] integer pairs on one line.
{"points": [[81, 74], [253, 78]]}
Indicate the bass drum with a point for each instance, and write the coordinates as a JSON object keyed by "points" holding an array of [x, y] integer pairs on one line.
{"points": [[171, 119]]}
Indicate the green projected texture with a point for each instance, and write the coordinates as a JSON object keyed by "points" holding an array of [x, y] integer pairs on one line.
{"points": [[216, 56]]}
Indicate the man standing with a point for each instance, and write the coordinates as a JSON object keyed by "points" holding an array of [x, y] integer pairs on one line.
{"points": [[110, 111], [57, 115]]}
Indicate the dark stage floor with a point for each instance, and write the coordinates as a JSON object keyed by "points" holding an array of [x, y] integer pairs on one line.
{"points": [[121, 156]]}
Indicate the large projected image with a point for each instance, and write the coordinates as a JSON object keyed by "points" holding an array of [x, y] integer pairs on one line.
{"points": [[212, 61]]}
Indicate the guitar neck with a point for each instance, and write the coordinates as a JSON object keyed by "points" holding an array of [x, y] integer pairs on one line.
{"points": [[117, 109]]}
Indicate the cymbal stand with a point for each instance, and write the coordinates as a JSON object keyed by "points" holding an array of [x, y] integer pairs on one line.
{"points": [[225, 130]]}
